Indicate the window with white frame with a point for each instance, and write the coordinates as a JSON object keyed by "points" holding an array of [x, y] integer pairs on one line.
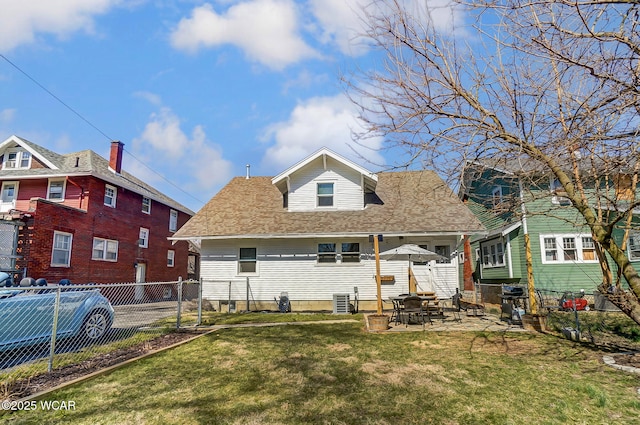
{"points": [[327, 253], [558, 191], [248, 260], [17, 159], [104, 249], [338, 253], [143, 240], [350, 252], [492, 254], [588, 249], [9, 192], [173, 220], [146, 205], [325, 194], [110, 193], [634, 246], [55, 191], [61, 252], [171, 257], [571, 248], [496, 196]]}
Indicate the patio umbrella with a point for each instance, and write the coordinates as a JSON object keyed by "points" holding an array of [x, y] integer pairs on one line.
{"points": [[410, 252]]}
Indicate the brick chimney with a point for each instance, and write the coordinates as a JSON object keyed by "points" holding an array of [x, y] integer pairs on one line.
{"points": [[115, 160]]}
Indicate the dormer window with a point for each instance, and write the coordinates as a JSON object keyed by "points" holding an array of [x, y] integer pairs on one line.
{"points": [[17, 159], [325, 194]]}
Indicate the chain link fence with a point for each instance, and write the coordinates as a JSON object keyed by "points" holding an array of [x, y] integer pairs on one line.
{"points": [[47, 327]]}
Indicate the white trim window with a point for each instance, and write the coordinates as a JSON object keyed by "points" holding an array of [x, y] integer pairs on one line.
{"points": [[61, 251], [338, 253], [634, 246], [327, 253], [496, 196], [104, 249], [146, 205], [350, 252], [324, 193], [248, 260], [16, 158], [56, 189], [558, 191], [567, 248], [171, 258], [143, 240], [110, 194], [492, 254], [173, 220]]}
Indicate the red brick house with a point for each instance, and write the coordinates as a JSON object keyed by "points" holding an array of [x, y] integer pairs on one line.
{"points": [[80, 217]]}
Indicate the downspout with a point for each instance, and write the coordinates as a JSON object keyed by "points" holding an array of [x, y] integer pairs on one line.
{"points": [[509, 259], [527, 252]]}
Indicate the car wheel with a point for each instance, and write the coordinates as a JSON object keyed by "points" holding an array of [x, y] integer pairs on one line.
{"points": [[95, 325]]}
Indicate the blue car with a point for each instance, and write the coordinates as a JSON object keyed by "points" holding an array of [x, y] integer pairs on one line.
{"points": [[26, 314]]}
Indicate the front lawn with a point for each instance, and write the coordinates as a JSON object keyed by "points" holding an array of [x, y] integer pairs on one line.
{"points": [[338, 374]]}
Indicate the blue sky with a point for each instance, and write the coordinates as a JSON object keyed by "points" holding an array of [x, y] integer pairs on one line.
{"points": [[194, 89]]}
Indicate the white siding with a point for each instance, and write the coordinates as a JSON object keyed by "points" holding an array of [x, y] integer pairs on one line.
{"points": [[347, 191], [289, 265]]}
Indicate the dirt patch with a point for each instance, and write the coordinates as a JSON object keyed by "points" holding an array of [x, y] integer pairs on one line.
{"points": [[26, 387]]}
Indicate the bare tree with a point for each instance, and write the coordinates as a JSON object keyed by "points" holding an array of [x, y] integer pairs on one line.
{"points": [[550, 88]]}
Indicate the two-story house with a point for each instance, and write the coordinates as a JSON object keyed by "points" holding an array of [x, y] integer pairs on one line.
{"points": [[81, 217], [562, 250], [309, 230]]}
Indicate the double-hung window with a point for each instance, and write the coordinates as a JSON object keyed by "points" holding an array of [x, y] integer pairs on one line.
{"points": [[146, 205], [61, 252], [171, 258], [338, 253], [110, 193], [143, 240], [55, 192], [173, 221], [492, 254], [350, 252], [247, 260], [571, 248], [325, 194], [327, 253], [104, 249], [17, 159]]}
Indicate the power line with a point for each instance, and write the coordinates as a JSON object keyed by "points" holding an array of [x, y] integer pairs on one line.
{"points": [[94, 126], [54, 96]]}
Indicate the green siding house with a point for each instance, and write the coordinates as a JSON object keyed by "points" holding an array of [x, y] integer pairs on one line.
{"points": [[562, 250]]}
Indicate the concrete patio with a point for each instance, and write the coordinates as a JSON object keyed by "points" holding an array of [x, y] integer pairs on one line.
{"points": [[488, 322]]}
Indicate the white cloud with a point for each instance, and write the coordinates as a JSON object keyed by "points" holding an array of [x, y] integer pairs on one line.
{"points": [[168, 150], [341, 23], [22, 21], [266, 30], [7, 115], [319, 122]]}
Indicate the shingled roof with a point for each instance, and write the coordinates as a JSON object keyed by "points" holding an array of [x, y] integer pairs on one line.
{"points": [[410, 203]]}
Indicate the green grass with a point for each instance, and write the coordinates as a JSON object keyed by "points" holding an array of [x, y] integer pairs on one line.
{"points": [[338, 374]]}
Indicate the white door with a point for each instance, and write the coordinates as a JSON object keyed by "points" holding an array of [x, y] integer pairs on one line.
{"points": [[8, 197], [141, 272]]}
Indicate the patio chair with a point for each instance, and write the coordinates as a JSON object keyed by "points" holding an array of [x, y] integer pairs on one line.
{"points": [[413, 308]]}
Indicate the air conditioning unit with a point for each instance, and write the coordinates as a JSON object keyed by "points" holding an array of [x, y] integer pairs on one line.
{"points": [[341, 304]]}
